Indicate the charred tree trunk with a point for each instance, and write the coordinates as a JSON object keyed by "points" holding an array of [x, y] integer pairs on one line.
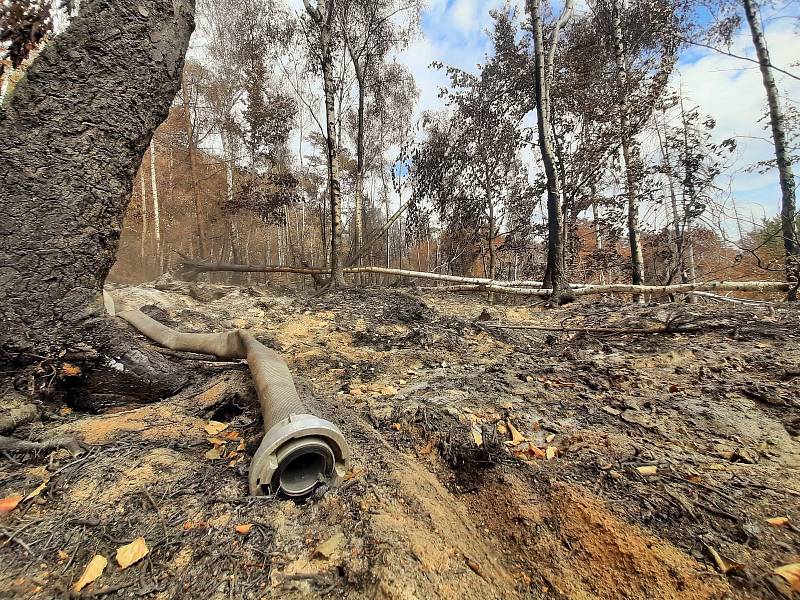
{"points": [[555, 275], [630, 152], [73, 134], [322, 16], [193, 170], [358, 232], [791, 242]]}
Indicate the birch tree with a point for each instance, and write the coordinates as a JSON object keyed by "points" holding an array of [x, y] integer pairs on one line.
{"points": [[322, 20], [791, 242], [544, 49]]}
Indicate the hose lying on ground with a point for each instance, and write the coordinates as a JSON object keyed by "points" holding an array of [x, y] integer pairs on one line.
{"points": [[299, 450]]}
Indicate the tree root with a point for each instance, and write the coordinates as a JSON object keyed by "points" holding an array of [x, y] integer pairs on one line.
{"points": [[10, 444], [16, 411]]}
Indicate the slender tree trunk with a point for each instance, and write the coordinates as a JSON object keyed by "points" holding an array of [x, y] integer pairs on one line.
{"points": [[73, 134], [555, 275], [156, 208], [791, 243], [193, 168], [630, 151], [324, 23], [358, 230], [676, 237], [144, 221]]}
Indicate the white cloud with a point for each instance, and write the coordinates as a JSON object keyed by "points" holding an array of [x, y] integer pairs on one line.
{"points": [[731, 91]]}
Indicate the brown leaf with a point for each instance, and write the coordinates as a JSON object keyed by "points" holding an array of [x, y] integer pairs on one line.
{"points": [[778, 521], [516, 436], [232, 435], [551, 452], [790, 573], [215, 427], [8, 504], [477, 436], [216, 441], [725, 565], [131, 553], [70, 370], [428, 448], [36, 492], [213, 454], [244, 528], [537, 452], [329, 546], [93, 570], [353, 474], [647, 470]]}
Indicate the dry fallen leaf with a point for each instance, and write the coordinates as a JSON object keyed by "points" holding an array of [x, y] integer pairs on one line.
{"points": [[92, 571], [647, 470], [131, 553], [215, 427], [778, 521], [551, 452], [329, 546], [232, 435], [549, 439], [213, 454], [244, 528], [790, 573], [516, 436], [725, 565], [477, 436], [216, 441], [538, 452], [428, 448], [36, 492], [9, 504], [353, 474], [70, 370]]}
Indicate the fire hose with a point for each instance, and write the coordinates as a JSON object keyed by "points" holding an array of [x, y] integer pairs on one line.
{"points": [[299, 450]]}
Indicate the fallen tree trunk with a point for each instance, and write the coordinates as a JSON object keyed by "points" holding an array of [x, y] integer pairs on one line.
{"points": [[192, 268], [470, 284]]}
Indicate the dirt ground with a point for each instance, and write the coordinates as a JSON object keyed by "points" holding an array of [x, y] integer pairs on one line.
{"points": [[488, 461]]}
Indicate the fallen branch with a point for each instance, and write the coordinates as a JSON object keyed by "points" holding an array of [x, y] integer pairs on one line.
{"points": [[730, 300], [10, 444], [599, 330]]}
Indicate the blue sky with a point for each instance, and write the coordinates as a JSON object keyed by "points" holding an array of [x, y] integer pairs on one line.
{"points": [[725, 88]]}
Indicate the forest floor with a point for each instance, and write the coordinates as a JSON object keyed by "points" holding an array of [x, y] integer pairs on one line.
{"points": [[650, 462]]}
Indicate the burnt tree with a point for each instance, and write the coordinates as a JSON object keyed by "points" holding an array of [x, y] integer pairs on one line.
{"points": [[74, 131]]}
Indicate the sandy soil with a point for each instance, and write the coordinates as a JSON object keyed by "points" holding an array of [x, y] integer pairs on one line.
{"points": [[489, 462]]}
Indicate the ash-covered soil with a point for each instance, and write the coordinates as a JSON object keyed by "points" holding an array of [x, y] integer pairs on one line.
{"points": [[490, 461]]}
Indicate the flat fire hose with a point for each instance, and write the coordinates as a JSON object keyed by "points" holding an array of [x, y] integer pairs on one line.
{"points": [[299, 450]]}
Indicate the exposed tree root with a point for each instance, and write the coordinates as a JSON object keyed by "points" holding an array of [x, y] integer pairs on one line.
{"points": [[10, 444], [16, 411]]}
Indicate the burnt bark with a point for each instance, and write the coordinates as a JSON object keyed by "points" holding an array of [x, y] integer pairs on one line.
{"points": [[791, 240], [630, 150], [555, 277], [74, 133]]}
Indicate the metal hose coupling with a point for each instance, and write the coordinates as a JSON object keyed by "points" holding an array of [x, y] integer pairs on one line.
{"points": [[299, 450], [296, 454]]}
